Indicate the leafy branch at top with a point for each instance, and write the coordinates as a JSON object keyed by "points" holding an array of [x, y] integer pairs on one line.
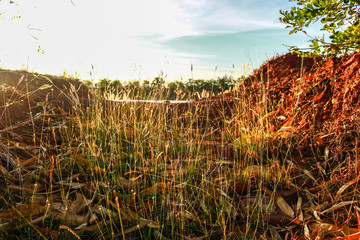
{"points": [[340, 18]]}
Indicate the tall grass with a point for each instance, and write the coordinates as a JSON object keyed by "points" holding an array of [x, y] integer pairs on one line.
{"points": [[170, 170], [209, 169], [158, 171]]}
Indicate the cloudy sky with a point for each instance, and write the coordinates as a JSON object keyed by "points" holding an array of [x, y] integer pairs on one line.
{"points": [[141, 39]]}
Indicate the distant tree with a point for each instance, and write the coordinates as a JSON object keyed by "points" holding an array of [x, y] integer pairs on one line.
{"points": [[226, 82], [158, 82], [159, 89], [103, 84], [340, 18]]}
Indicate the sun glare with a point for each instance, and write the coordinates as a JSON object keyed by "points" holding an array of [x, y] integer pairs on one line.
{"points": [[135, 39], [73, 36]]}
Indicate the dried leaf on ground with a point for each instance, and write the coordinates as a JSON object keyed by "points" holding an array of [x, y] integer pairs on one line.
{"points": [[338, 206], [281, 203], [22, 211], [79, 204], [70, 219]]}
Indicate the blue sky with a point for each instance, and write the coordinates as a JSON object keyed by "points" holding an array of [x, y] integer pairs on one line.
{"points": [[141, 39]]}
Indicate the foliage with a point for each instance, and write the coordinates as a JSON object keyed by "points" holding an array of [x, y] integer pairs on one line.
{"points": [[340, 18], [177, 90]]}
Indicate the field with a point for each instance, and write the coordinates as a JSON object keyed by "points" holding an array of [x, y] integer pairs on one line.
{"points": [[275, 158]]}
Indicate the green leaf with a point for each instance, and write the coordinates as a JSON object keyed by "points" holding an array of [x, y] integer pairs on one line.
{"points": [[339, 18]]}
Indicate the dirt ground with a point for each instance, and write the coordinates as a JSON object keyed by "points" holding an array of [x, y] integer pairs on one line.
{"points": [[25, 95], [33, 108]]}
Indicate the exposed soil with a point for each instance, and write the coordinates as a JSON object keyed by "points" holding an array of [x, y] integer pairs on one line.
{"points": [[25, 96], [313, 99], [33, 109], [324, 99]]}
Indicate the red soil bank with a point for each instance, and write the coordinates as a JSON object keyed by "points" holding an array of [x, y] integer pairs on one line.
{"points": [[313, 100], [319, 100]]}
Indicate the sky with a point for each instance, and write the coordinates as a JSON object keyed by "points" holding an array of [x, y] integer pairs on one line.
{"points": [[143, 39]]}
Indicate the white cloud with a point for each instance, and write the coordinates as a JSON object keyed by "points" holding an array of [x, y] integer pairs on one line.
{"points": [[225, 16], [113, 35], [90, 32], [137, 17]]}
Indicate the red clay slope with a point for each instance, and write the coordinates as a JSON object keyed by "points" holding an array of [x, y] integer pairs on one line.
{"points": [[313, 100], [319, 100]]}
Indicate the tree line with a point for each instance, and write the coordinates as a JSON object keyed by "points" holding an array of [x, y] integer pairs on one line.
{"points": [[159, 89]]}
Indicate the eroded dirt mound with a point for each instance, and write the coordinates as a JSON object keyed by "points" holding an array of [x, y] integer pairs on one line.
{"points": [[320, 106], [271, 90], [314, 100], [326, 91], [34, 107]]}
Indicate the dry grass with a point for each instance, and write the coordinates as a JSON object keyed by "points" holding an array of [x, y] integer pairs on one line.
{"points": [[166, 171]]}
